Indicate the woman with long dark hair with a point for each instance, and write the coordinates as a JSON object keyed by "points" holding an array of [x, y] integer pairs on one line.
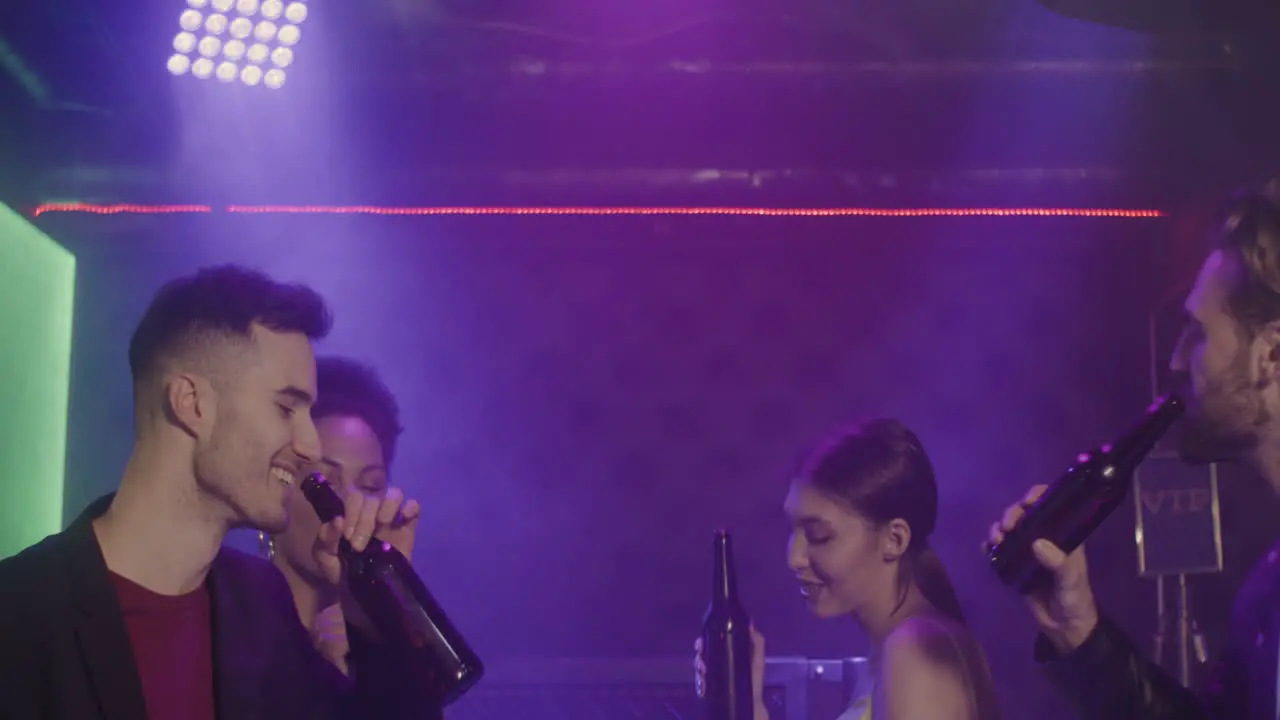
{"points": [[861, 512]]}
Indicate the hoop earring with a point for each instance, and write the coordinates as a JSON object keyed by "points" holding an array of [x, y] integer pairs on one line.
{"points": [[267, 545]]}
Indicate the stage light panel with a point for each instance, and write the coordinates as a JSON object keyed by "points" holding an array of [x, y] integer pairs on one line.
{"points": [[249, 40], [37, 301]]}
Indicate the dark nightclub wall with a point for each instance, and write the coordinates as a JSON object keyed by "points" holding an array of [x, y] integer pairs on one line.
{"points": [[586, 398]]}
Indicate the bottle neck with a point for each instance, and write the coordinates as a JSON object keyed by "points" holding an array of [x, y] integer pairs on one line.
{"points": [[1132, 448], [724, 582], [344, 548]]}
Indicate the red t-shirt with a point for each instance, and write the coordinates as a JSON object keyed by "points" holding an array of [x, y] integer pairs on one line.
{"points": [[172, 643]]}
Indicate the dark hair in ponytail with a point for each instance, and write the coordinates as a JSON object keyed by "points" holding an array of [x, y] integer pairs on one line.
{"points": [[880, 469], [935, 584]]}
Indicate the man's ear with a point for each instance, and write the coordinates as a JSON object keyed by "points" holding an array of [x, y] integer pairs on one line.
{"points": [[1269, 356], [895, 538], [190, 402]]}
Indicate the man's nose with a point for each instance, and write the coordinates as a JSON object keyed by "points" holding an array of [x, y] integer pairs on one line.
{"points": [[306, 443]]}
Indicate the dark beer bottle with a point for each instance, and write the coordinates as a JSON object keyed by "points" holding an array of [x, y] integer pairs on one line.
{"points": [[400, 607], [726, 642], [1078, 501]]}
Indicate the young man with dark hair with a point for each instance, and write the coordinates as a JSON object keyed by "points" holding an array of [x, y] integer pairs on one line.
{"points": [[136, 610], [358, 420], [1227, 366]]}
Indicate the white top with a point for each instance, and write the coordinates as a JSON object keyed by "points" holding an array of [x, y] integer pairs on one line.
{"points": [[860, 709]]}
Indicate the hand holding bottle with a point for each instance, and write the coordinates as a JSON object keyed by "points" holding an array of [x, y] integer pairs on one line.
{"points": [[757, 672], [390, 518], [1066, 611], [383, 594]]}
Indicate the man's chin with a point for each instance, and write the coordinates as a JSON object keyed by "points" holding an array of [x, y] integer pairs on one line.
{"points": [[1197, 457], [273, 525], [1203, 449]]}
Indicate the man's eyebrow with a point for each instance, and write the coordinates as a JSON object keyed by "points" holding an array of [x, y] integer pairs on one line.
{"points": [[296, 393]]}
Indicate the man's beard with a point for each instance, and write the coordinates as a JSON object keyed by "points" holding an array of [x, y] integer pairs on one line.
{"points": [[1223, 421], [222, 476]]}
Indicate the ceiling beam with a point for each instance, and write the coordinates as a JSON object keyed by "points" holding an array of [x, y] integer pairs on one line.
{"points": [[24, 76], [634, 186]]}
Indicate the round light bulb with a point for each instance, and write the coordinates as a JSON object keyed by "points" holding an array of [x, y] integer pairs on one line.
{"points": [[273, 78], [190, 20], [251, 75], [226, 71], [216, 24], [179, 64], [202, 68], [258, 54], [296, 12], [265, 31], [210, 46], [282, 57]]}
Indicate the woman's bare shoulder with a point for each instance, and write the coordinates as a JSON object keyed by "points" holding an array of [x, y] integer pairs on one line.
{"points": [[934, 668], [923, 673], [935, 637]]}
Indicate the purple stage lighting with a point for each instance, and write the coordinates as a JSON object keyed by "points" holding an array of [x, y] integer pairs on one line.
{"points": [[249, 40]]}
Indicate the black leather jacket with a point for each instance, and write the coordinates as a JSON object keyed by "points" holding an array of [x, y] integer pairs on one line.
{"points": [[1107, 678]]}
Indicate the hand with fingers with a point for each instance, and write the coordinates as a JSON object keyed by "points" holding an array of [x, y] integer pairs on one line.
{"points": [[329, 633], [757, 673], [390, 519], [1066, 611]]}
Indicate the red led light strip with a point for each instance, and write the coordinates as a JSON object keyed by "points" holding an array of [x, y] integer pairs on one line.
{"points": [[460, 210], [118, 209]]}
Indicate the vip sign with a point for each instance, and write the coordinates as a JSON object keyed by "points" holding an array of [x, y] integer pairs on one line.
{"points": [[1178, 526]]}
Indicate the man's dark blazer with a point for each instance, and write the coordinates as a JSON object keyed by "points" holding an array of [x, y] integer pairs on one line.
{"points": [[1107, 678], [65, 652]]}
